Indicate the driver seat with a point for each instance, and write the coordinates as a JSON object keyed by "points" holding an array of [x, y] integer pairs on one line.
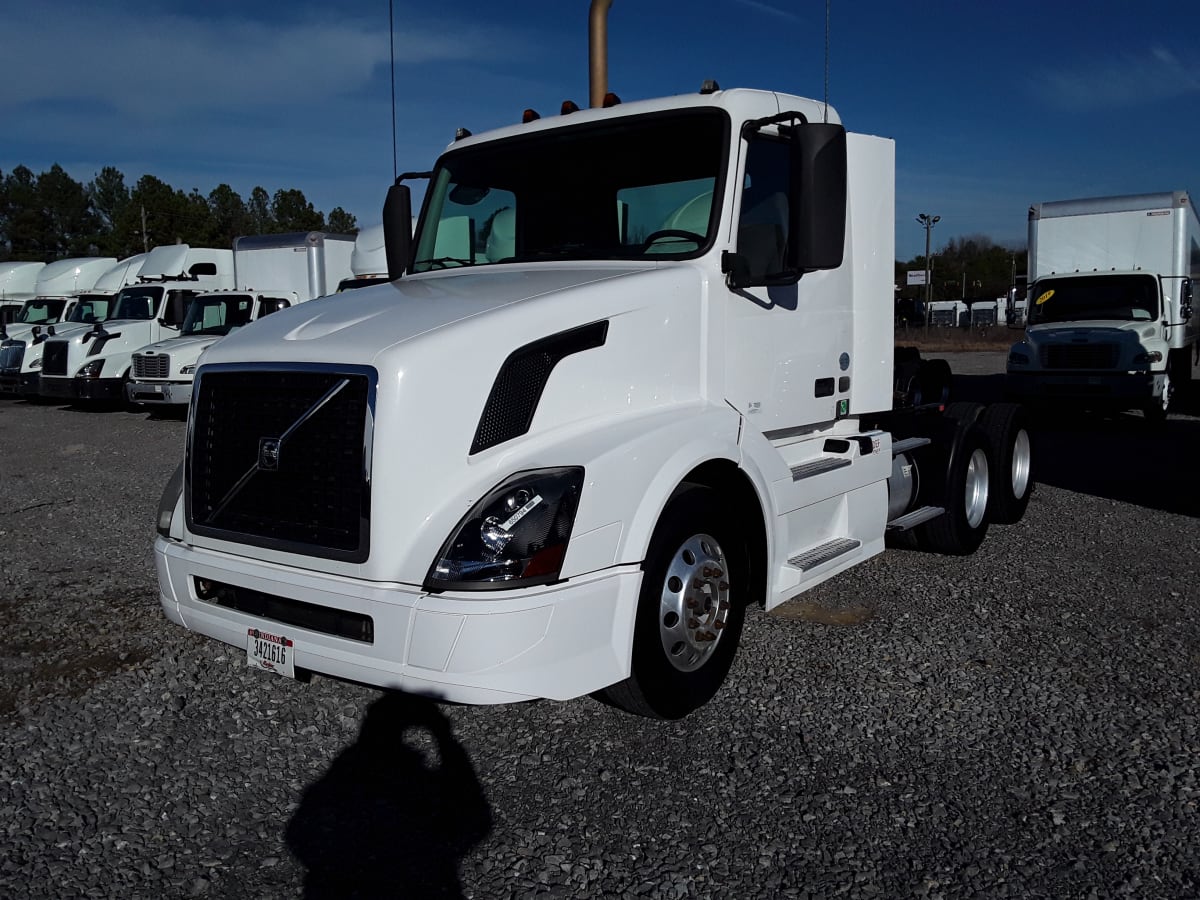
{"points": [[692, 216]]}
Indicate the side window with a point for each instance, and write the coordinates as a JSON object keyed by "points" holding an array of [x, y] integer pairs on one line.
{"points": [[176, 307], [268, 305], [763, 221]]}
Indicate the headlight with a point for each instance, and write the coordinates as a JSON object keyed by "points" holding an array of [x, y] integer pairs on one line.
{"points": [[36, 363], [1017, 358], [91, 370], [168, 502], [1152, 356], [515, 536], [189, 370]]}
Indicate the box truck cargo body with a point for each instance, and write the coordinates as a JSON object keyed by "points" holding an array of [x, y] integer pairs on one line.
{"points": [[1109, 318]]}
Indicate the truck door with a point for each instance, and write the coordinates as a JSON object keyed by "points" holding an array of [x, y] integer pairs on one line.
{"points": [[785, 333]]}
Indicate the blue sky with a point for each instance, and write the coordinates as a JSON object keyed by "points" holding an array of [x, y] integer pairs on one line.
{"points": [[992, 106]]}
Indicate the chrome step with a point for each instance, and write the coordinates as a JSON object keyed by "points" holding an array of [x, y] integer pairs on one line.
{"points": [[818, 467], [823, 553], [911, 443], [915, 518]]}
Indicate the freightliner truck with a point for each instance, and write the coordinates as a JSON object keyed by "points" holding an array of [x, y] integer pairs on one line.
{"points": [[1110, 323], [272, 272], [633, 372]]}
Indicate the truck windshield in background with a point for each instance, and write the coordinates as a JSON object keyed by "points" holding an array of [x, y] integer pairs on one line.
{"points": [[1125, 298], [218, 315], [92, 308], [623, 190], [41, 310]]}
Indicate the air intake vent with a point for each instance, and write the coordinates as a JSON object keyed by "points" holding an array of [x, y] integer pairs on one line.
{"points": [[156, 366]]}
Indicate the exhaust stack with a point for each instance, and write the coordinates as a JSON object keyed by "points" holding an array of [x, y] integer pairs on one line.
{"points": [[598, 51]]}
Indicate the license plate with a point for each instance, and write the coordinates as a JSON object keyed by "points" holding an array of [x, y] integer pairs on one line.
{"points": [[271, 652]]}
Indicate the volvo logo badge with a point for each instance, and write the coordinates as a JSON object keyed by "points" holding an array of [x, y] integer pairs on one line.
{"points": [[268, 454]]}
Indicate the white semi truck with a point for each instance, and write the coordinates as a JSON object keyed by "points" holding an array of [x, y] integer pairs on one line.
{"points": [[1110, 323], [630, 376], [95, 365], [272, 272], [21, 358], [368, 262], [17, 284]]}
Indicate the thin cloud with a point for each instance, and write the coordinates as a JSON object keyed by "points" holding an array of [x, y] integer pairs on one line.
{"points": [[162, 66], [770, 10], [1128, 80]]}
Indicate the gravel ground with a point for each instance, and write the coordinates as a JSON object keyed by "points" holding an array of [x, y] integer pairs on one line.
{"points": [[1019, 723]]}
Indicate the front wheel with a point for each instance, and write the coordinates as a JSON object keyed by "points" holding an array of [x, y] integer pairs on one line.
{"points": [[1156, 410], [690, 609]]}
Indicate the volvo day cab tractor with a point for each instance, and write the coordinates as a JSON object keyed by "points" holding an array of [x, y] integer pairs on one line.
{"points": [[1110, 323], [273, 272], [633, 373], [95, 365]]}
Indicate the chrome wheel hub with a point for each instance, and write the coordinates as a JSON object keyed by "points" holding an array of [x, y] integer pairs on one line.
{"points": [[694, 605], [976, 488], [1021, 464]]}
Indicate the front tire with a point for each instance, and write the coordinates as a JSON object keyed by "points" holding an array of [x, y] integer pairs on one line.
{"points": [[690, 610], [1156, 410]]}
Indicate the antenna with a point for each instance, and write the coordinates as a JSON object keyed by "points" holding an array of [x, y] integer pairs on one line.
{"points": [[827, 65], [392, 79]]}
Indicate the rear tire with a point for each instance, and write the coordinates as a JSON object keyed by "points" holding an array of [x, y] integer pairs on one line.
{"points": [[961, 528], [1007, 429], [690, 610]]}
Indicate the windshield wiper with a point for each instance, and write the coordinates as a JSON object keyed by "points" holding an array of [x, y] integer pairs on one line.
{"points": [[443, 262]]}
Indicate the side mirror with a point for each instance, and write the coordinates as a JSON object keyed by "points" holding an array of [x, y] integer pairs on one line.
{"points": [[817, 232], [397, 229]]}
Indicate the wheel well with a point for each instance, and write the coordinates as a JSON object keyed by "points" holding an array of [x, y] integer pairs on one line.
{"points": [[736, 490]]}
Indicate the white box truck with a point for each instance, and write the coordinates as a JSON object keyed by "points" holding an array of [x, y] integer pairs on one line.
{"points": [[631, 374], [95, 365], [272, 272], [1109, 317]]}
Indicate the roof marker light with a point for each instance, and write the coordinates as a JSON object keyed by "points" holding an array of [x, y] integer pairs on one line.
{"points": [[462, 133], [710, 86], [530, 115], [568, 107], [610, 99]]}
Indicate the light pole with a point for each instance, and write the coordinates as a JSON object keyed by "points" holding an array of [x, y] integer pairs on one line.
{"points": [[928, 221]]}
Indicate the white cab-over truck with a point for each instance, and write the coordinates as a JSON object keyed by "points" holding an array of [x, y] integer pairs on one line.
{"points": [[21, 357], [637, 373], [1109, 322], [272, 272], [95, 364]]}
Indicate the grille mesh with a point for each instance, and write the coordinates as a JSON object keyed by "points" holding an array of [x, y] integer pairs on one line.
{"points": [[54, 358], [1079, 356], [156, 366], [317, 500], [12, 353]]}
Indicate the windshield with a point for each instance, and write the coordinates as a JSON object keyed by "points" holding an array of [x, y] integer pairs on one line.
{"points": [[138, 302], [42, 310], [624, 190], [91, 308], [217, 315], [1125, 298]]}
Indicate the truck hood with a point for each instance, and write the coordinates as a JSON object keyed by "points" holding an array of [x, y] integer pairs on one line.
{"points": [[191, 345], [1092, 330], [360, 324]]}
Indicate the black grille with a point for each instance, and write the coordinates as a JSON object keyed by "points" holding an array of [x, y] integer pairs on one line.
{"points": [[1079, 356], [11, 354], [278, 459], [324, 619], [156, 366], [54, 358]]}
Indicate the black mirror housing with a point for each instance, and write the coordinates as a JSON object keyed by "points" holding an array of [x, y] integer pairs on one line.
{"points": [[397, 229], [817, 232]]}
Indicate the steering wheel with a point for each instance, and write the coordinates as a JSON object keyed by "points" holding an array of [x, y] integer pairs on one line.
{"points": [[697, 239]]}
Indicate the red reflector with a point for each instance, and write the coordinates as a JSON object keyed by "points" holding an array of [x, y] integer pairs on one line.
{"points": [[529, 115], [545, 562], [568, 106], [611, 99]]}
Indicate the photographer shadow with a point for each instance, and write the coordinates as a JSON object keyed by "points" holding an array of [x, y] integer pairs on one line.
{"points": [[395, 813]]}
